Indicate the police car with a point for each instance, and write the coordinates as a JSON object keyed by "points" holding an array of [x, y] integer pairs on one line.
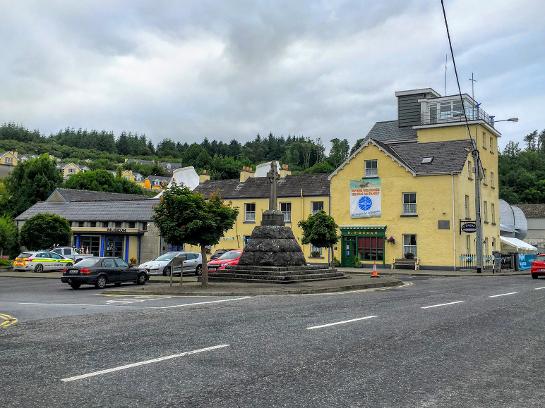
{"points": [[40, 261]]}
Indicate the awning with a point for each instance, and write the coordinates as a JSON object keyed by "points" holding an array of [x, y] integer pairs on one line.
{"points": [[517, 243]]}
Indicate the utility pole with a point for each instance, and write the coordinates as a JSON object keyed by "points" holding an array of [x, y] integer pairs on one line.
{"points": [[478, 221], [473, 80]]}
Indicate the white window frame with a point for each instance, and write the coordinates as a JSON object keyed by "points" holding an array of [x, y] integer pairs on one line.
{"points": [[467, 207], [249, 215], [412, 248], [409, 208], [493, 213], [313, 210], [485, 207], [285, 208], [314, 249], [371, 171]]}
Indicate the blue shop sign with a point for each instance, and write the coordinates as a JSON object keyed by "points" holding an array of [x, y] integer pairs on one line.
{"points": [[525, 261]]}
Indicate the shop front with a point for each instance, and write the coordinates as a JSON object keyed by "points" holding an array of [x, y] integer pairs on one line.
{"points": [[362, 244], [120, 243]]}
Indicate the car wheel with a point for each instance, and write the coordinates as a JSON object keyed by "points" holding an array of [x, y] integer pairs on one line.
{"points": [[534, 275], [141, 279], [166, 271], [75, 285], [101, 282], [198, 271], [39, 268]]}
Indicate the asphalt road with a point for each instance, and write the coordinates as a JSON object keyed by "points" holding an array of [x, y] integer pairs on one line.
{"points": [[440, 342]]}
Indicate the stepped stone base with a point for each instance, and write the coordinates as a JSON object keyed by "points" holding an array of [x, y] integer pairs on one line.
{"points": [[276, 274]]}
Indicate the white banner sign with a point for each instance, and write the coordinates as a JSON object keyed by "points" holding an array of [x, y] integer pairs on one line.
{"points": [[365, 198]]}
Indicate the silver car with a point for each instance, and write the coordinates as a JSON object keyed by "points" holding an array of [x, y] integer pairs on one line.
{"points": [[162, 264]]}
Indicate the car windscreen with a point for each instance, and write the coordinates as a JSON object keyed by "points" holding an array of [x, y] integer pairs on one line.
{"points": [[230, 255], [25, 255], [166, 257], [88, 262]]}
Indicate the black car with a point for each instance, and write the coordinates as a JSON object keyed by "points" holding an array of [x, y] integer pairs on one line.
{"points": [[100, 271]]}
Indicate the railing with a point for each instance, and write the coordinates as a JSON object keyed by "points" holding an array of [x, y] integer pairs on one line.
{"points": [[433, 114], [468, 261]]}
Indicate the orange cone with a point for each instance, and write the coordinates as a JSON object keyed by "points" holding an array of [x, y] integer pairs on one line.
{"points": [[374, 272]]}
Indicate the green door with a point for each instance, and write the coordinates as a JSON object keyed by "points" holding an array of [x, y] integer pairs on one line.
{"points": [[348, 251]]}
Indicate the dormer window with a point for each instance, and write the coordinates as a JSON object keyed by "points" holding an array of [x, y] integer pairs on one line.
{"points": [[427, 160]]}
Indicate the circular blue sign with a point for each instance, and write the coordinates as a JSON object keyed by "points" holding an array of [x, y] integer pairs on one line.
{"points": [[365, 203]]}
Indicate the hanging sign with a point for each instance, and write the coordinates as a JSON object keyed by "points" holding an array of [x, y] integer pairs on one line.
{"points": [[365, 198], [469, 227]]}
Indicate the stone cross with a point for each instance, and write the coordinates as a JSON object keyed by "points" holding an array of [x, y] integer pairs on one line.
{"points": [[273, 176]]}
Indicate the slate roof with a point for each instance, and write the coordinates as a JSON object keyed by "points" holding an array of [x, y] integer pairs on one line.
{"points": [[73, 195], [390, 132], [258, 187], [532, 210], [95, 210]]}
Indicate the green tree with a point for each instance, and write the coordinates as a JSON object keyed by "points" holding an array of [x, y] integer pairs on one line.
{"points": [[320, 230], [184, 217], [102, 180], [8, 236], [45, 231], [30, 182], [339, 152]]}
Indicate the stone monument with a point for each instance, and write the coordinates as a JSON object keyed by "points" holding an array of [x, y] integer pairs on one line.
{"points": [[272, 254]]}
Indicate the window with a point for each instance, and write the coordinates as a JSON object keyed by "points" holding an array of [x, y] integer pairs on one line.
{"points": [[132, 224], [468, 244], [108, 263], [492, 181], [105, 224], [470, 169], [55, 256], [409, 203], [81, 224], [93, 224], [249, 212], [317, 206], [466, 207], [90, 245], [121, 263], [8, 160], [493, 213], [409, 244], [371, 248], [491, 144], [286, 210], [485, 180], [246, 239], [485, 209], [118, 224], [144, 226], [427, 160], [486, 248], [484, 140], [493, 244], [315, 252], [371, 168]]}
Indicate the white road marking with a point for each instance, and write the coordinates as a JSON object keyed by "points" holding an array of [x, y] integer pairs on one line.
{"points": [[543, 287], [141, 363], [442, 304], [502, 294], [197, 303], [62, 304], [343, 322]]}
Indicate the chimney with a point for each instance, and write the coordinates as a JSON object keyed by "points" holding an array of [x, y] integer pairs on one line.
{"points": [[408, 107], [246, 173], [204, 177]]}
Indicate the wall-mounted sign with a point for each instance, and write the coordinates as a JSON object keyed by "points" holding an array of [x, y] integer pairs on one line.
{"points": [[469, 227], [365, 198], [117, 229]]}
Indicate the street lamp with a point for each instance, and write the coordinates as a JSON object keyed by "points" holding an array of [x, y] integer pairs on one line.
{"points": [[507, 120]]}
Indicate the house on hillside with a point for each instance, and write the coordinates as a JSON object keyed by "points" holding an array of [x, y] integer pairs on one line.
{"points": [[9, 158]]}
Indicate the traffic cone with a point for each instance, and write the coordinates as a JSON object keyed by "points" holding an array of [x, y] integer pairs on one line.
{"points": [[374, 273]]}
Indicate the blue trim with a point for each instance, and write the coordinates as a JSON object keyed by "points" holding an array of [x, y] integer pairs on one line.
{"points": [[139, 249], [127, 238], [102, 245], [77, 244]]}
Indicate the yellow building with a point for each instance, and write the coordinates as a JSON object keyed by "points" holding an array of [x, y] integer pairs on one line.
{"points": [[298, 197], [9, 158], [70, 169], [410, 189]]}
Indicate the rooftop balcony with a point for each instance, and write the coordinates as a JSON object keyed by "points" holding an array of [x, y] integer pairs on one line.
{"points": [[448, 109]]}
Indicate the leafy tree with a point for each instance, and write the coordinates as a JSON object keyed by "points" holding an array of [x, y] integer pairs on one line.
{"points": [[322, 167], [44, 231], [8, 236], [320, 230], [102, 180], [339, 152], [30, 182], [186, 217]]}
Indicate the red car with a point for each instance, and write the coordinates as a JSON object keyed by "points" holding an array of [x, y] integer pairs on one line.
{"points": [[229, 258], [538, 266]]}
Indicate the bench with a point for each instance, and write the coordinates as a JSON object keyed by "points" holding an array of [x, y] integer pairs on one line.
{"points": [[406, 263]]}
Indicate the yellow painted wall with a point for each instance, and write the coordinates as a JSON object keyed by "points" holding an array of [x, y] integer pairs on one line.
{"points": [[133, 248], [301, 208], [10, 158]]}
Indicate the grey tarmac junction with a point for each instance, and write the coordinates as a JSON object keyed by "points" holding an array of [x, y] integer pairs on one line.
{"points": [[435, 342]]}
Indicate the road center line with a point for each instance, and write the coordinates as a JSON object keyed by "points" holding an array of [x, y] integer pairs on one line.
{"points": [[543, 287], [442, 304], [141, 363], [196, 303], [502, 294], [342, 322], [63, 304]]}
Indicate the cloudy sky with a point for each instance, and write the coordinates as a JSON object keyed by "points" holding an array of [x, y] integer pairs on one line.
{"points": [[227, 69]]}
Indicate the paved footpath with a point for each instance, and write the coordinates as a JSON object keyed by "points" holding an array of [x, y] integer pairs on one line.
{"points": [[435, 342]]}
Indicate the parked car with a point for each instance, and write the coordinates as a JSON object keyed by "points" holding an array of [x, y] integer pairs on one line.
{"points": [[40, 261], [229, 258], [100, 271], [72, 253], [162, 264], [538, 266], [220, 252]]}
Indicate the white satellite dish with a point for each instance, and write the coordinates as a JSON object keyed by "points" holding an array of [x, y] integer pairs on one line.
{"points": [[262, 169], [185, 176]]}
